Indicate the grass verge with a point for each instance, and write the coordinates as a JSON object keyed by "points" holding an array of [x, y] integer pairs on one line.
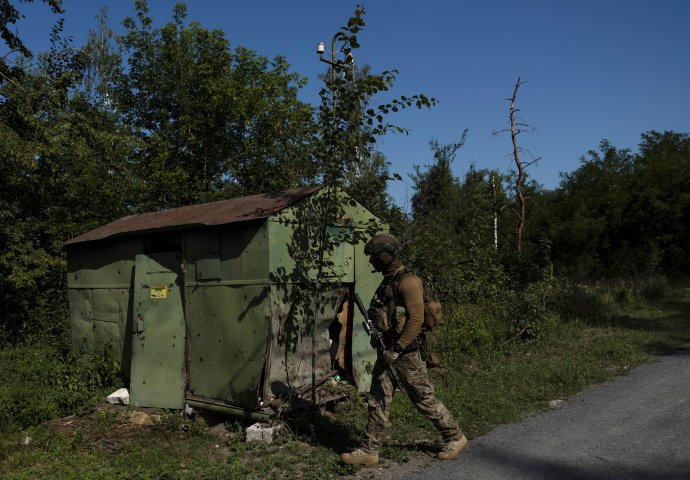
{"points": [[484, 382]]}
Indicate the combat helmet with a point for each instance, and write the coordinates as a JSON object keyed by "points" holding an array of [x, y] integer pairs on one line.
{"points": [[382, 243]]}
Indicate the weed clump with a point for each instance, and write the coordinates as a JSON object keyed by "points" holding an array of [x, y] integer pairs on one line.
{"points": [[43, 380]]}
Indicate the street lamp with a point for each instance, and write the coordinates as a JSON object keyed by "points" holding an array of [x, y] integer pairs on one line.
{"points": [[336, 65], [339, 65], [349, 59]]}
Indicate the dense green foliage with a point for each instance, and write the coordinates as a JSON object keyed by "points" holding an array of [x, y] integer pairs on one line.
{"points": [[45, 380], [621, 213], [618, 215], [168, 116], [213, 122]]}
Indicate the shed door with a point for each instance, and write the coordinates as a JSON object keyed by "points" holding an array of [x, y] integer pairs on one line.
{"points": [[158, 342]]}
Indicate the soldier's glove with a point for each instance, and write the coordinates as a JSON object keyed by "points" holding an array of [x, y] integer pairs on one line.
{"points": [[392, 354]]}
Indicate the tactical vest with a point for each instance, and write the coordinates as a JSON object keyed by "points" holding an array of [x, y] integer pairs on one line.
{"points": [[388, 317]]}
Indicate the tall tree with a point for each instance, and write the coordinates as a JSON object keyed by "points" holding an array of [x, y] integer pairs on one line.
{"points": [[658, 218], [590, 208], [9, 15], [450, 240], [101, 60], [214, 122], [516, 127], [61, 173], [349, 117], [436, 189]]}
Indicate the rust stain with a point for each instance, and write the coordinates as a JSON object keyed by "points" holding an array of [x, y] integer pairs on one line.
{"points": [[206, 214]]}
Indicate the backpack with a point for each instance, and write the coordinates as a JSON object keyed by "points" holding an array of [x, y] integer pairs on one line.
{"points": [[432, 317], [432, 312]]}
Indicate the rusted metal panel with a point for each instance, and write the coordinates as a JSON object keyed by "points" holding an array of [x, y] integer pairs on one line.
{"points": [[99, 281], [244, 251], [350, 266], [239, 250], [301, 344], [80, 319], [105, 319], [222, 212], [111, 263], [363, 355]]}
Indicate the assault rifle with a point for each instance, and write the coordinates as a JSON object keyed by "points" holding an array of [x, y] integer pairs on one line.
{"points": [[377, 341]]}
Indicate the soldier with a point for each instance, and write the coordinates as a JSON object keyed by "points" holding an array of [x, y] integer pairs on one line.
{"points": [[397, 310]]}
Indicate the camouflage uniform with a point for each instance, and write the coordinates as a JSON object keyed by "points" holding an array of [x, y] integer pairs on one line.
{"points": [[413, 375], [397, 310], [404, 308]]}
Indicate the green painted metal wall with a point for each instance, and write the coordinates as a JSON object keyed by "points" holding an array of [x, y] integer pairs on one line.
{"points": [[100, 283], [350, 272], [227, 311], [248, 337]]}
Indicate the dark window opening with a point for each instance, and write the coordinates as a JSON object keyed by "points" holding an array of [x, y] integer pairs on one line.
{"points": [[171, 242]]}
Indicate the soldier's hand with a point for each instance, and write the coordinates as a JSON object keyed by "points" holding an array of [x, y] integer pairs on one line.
{"points": [[393, 353], [391, 357]]}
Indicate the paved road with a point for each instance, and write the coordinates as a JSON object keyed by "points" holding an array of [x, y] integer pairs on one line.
{"points": [[636, 427]]}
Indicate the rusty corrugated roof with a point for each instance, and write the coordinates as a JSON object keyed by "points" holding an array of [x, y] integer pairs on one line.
{"points": [[222, 212]]}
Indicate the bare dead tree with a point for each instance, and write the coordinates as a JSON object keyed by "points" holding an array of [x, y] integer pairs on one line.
{"points": [[516, 127], [514, 132]]}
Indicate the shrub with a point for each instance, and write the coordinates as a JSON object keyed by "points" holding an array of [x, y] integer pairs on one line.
{"points": [[44, 380], [598, 301]]}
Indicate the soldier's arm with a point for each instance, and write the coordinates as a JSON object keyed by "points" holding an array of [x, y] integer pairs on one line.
{"points": [[411, 292]]}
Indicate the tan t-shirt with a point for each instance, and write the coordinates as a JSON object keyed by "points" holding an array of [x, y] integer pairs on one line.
{"points": [[410, 296]]}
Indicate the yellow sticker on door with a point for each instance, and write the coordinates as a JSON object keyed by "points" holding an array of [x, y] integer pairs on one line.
{"points": [[159, 292]]}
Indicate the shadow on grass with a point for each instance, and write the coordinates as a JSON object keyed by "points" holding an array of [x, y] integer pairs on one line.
{"points": [[675, 328], [324, 429], [414, 447], [591, 310]]}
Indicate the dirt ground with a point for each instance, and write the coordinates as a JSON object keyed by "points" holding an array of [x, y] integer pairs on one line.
{"points": [[110, 425]]}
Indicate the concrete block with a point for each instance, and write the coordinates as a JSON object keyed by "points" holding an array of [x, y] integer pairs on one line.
{"points": [[119, 396], [262, 432]]}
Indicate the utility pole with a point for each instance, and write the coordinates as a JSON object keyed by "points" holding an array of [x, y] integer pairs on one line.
{"points": [[336, 64], [493, 190]]}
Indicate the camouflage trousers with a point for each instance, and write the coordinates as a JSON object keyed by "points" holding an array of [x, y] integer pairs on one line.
{"points": [[415, 380]]}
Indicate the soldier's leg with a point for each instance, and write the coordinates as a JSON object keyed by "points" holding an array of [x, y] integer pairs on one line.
{"points": [[379, 401], [415, 379]]}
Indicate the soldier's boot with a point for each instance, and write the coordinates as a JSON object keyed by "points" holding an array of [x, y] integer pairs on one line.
{"points": [[360, 457], [452, 449]]}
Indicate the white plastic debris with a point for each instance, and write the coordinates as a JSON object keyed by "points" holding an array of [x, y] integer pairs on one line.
{"points": [[120, 396], [262, 432], [27, 440], [188, 410]]}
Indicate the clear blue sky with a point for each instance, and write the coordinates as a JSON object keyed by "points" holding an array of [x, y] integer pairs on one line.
{"points": [[595, 69]]}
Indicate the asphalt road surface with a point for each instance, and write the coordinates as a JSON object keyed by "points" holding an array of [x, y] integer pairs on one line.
{"points": [[636, 426]]}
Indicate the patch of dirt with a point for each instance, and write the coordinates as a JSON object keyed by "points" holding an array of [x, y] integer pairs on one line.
{"points": [[108, 423], [110, 426]]}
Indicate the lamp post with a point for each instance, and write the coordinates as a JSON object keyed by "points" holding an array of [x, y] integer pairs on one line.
{"points": [[321, 48], [336, 64]]}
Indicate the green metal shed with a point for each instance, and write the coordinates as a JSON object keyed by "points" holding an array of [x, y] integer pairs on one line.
{"points": [[202, 306]]}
